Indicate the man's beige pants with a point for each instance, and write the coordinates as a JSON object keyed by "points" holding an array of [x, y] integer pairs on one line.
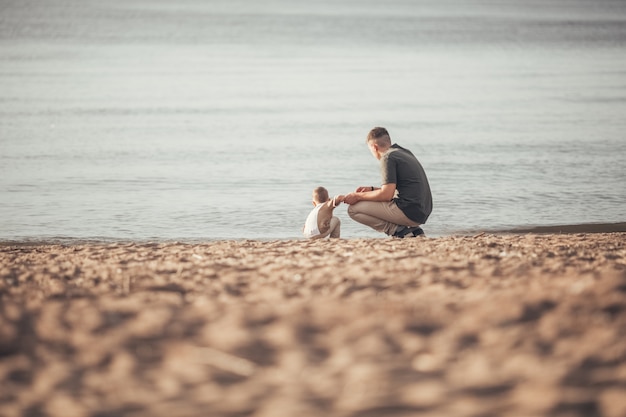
{"points": [[383, 216]]}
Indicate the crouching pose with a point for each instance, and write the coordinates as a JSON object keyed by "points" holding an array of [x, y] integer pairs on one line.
{"points": [[320, 221], [404, 200]]}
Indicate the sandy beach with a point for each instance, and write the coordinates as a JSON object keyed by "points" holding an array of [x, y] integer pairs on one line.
{"points": [[485, 325]]}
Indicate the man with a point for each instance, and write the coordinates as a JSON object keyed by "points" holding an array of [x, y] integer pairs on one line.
{"points": [[404, 200]]}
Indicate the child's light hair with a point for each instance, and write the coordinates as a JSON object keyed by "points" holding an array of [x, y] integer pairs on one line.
{"points": [[320, 195]]}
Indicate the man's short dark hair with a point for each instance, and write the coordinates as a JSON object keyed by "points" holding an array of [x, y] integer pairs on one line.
{"points": [[380, 136]]}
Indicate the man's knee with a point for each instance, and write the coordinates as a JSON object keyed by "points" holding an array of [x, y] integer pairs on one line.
{"points": [[352, 210]]}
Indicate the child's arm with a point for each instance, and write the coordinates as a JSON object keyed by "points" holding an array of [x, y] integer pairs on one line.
{"points": [[335, 201]]}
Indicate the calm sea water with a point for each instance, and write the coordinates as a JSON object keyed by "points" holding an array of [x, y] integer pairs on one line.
{"points": [[215, 119]]}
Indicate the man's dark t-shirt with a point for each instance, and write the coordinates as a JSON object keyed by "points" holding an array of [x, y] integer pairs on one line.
{"points": [[399, 166]]}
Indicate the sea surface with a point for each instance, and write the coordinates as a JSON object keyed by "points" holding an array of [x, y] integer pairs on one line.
{"points": [[201, 120]]}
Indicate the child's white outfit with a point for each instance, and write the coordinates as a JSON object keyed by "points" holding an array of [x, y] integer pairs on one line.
{"points": [[310, 227], [311, 230]]}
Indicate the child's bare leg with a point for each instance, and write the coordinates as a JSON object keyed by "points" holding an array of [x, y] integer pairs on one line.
{"points": [[335, 227]]}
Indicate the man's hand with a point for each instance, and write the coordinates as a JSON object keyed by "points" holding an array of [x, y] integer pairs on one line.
{"points": [[352, 198], [384, 193]]}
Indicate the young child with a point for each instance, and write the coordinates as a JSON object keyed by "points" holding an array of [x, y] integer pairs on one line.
{"points": [[321, 222]]}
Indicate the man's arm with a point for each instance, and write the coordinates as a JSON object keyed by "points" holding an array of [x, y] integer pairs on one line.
{"points": [[385, 193]]}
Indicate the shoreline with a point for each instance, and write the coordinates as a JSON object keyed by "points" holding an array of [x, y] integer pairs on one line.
{"points": [[492, 324], [618, 227], [569, 228]]}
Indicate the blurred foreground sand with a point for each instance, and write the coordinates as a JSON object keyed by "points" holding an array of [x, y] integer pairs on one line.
{"points": [[491, 325]]}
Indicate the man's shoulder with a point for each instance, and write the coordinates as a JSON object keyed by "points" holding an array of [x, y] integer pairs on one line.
{"points": [[397, 152]]}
